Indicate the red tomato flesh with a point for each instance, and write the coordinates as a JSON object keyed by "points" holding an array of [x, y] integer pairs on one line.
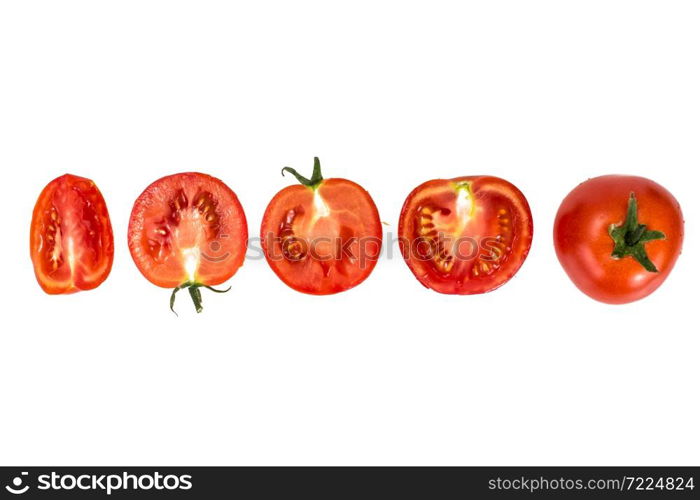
{"points": [[467, 235], [71, 240]]}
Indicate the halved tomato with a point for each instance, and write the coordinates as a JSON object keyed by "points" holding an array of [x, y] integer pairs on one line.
{"points": [[188, 231], [466, 235], [323, 236], [71, 241]]}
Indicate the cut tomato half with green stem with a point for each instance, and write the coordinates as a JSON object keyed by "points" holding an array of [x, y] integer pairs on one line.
{"points": [[188, 231], [322, 236]]}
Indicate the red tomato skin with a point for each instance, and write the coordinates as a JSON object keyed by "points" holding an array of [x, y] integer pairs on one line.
{"points": [[153, 203], [341, 195], [80, 210], [459, 283], [584, 246]]}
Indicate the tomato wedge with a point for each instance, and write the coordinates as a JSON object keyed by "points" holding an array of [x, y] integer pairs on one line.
{"points": [[467, 235], [618, 237], [189, 231], [71, 241], [323, 236]]}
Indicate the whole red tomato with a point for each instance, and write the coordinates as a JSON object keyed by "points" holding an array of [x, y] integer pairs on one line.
{"points": [[321, 236], [618, 237], [188, 231], [71, 241], [467, 235]]}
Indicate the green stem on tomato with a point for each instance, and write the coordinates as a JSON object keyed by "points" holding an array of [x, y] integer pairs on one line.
{"points": [[195, 293], [631, 236], [316, 176]]}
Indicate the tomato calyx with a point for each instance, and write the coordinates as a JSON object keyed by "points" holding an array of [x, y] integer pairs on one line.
{"points": [[195, 293], [316, 177], [631, 236]]}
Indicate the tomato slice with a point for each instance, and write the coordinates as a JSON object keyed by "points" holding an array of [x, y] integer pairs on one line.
{"points": [[321, 237], [466, 235], [71, 241], [188, 230]]}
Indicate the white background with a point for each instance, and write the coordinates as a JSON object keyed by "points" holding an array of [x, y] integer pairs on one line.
{"points": [[545, 94]]}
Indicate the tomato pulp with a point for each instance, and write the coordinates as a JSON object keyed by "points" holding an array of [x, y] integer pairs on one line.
{"points": [[467, 235], [71, 241], [618, 237], [322, 236], [189, 231]]}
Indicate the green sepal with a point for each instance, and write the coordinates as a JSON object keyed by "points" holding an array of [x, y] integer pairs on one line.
{"points": [[630, 237], [195, 294], [316, 176]]}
